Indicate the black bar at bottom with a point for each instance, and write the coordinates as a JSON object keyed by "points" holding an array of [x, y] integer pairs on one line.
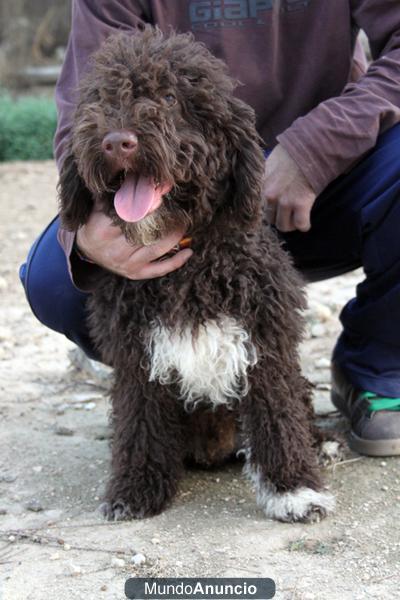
{"points": [[202, 588]]}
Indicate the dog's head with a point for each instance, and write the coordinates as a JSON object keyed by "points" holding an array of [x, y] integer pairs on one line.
{"points": [[159, 140]]}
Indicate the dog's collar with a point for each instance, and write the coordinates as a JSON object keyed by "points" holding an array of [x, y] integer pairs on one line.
{"points": [[185, 242]]}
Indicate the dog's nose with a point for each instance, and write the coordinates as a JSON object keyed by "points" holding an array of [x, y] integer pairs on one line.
{"points": [[119, 144]]}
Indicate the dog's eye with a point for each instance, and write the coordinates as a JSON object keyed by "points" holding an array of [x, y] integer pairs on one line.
{"points": [[170, 99]]}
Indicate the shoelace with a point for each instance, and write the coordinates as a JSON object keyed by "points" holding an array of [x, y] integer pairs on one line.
{"points": [[377, 403]]}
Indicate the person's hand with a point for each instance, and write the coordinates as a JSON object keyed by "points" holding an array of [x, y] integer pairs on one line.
{"points": [[104, 244], [287, 192]]}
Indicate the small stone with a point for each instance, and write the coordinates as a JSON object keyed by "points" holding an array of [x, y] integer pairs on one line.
{"points": [[383, 463], [322, 363], [322, 311], [3, 511], [66, 431], [155, 541], [103, 434], [103, 588], [323, 386], [3, 284], [8, 477], [90, 406], [76, 569], [84, 397], [11, 538], [55, 556], [66, 547], [321, 376], [37, 469], [34, 506], [5, 334], [119, 563], [138, 559], [384, 488], [318, 330]]}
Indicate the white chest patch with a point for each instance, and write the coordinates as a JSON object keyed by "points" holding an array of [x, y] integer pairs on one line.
{"points": [[212, 365]]}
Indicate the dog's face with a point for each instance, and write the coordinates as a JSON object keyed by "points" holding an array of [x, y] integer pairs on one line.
{"points": [[159, 140]]}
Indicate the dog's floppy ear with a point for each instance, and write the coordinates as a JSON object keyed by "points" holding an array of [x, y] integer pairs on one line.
{"points": [[247, 162], [75, 199]]}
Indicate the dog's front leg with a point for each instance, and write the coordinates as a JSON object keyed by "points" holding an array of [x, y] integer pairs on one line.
{"points": [[147, 448], [280, 458]]}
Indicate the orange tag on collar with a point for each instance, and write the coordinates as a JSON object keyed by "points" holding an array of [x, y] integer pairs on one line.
{"points": [[184, 243]]}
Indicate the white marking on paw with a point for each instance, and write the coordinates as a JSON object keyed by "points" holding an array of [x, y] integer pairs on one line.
{"points": [[304, 504], [212, 365]]}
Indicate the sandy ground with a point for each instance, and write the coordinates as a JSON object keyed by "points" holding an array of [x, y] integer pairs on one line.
{"points": [[54, 460]]}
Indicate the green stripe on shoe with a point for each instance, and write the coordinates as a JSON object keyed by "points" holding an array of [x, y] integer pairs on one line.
{"points": [[378, 403]]}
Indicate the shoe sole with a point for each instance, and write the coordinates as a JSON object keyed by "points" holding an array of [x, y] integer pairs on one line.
{"points": [[363, 446], [374, 447]]}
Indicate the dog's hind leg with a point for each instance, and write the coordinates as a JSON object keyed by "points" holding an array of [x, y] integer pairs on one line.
{"points": [[281, 461], [147, 448]]}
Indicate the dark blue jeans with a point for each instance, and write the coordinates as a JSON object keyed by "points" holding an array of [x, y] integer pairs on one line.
{"points": [[355, 222]]}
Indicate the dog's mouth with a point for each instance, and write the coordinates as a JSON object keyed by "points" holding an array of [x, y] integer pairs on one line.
{"points": [[138, 196]]}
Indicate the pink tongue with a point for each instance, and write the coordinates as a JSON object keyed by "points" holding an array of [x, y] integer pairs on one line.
{"points": [[137, 197]]}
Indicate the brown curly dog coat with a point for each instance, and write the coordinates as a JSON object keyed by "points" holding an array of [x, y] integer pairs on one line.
{"points": [[159, 140]]}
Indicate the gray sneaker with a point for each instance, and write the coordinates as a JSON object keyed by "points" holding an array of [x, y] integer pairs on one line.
{"points": [[375, 420]]}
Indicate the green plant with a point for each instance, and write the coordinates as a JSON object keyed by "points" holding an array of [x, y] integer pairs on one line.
{"points": [[27, 127]]}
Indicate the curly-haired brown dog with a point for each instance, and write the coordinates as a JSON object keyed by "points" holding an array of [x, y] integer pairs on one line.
{"points": [[159, 139]]}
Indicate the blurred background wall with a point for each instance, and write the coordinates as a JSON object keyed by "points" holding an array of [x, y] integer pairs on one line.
{"points": [[33, 37]]}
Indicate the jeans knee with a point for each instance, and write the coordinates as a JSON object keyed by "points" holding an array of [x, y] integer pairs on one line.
{"points": [[38, 292]]}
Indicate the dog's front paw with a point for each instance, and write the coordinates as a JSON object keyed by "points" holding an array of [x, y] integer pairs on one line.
{"points": [[302, 505], [119, 510], [135, 507], [138, 496]]}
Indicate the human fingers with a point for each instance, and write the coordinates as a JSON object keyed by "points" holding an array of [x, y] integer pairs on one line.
{"points": [[96, 233], [161, 268], [284, 220], [301, 217], [148, 254], [270, 212]]}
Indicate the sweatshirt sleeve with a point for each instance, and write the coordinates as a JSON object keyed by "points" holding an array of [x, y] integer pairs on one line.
{"points": [[333, 136], [92, 23]]}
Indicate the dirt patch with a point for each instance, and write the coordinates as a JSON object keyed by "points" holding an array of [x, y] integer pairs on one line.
{"points": [[54, 461]]}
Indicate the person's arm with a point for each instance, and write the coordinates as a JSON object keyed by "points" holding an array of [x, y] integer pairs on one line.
{"points": [[336, 134]]}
